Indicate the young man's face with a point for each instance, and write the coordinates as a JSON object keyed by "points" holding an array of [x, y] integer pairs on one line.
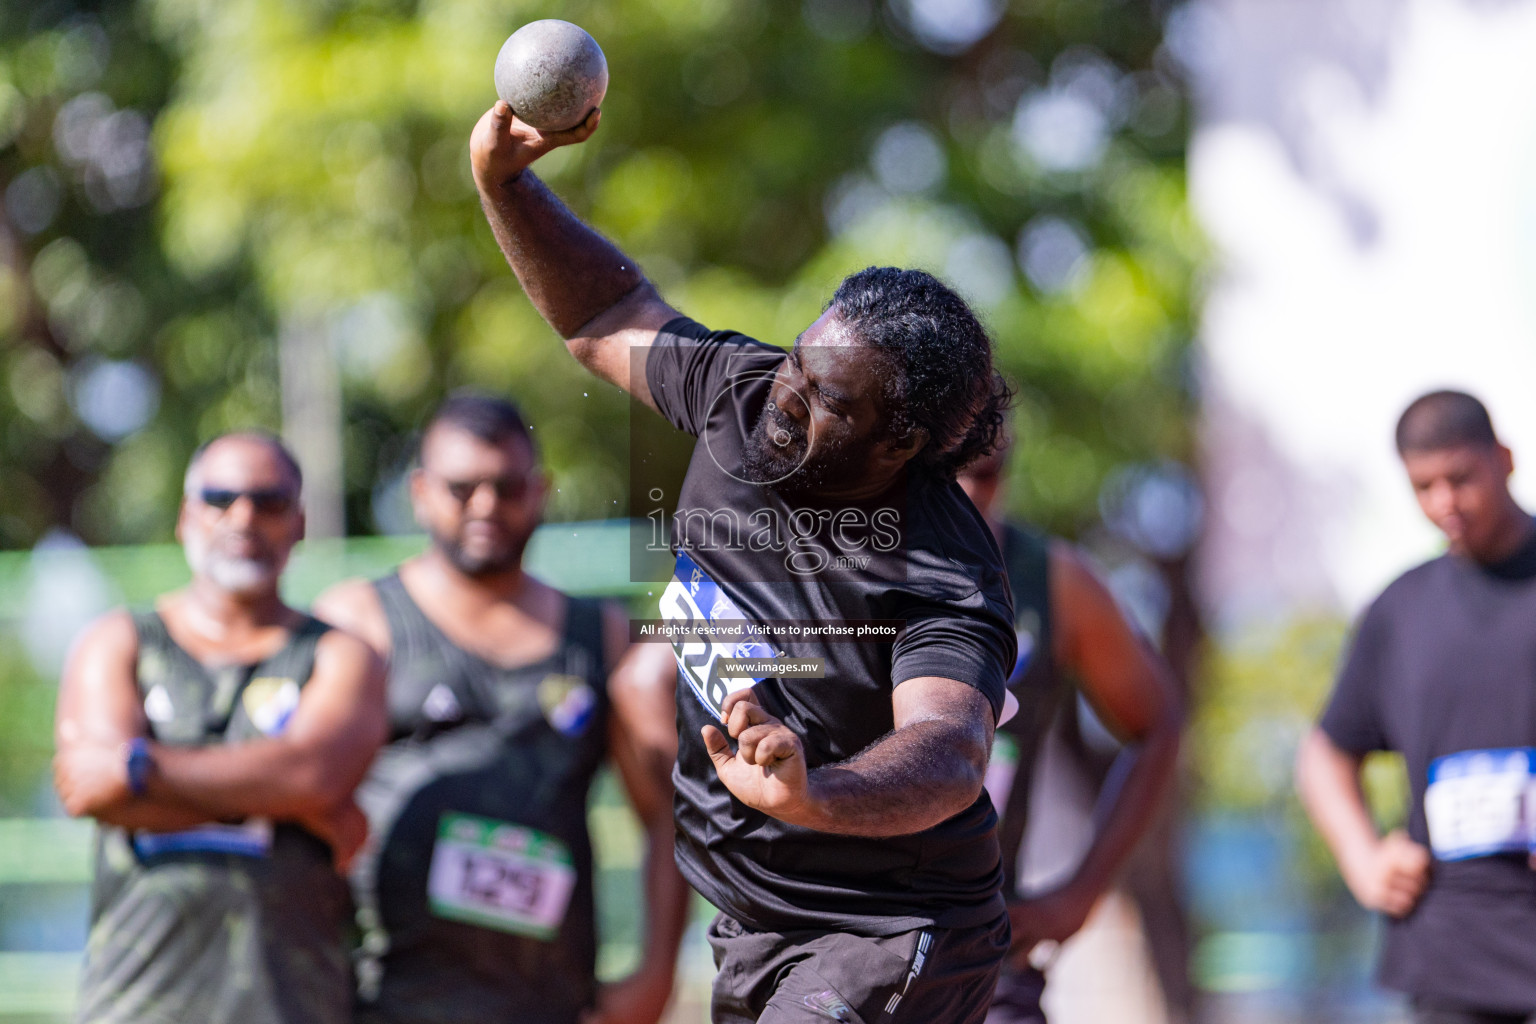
{"points": [[1463, 490], [479, 501]]}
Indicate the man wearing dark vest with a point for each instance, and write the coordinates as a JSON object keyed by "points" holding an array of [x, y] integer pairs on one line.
{"points": [[1072, 638], [844, 836], [217, 740], [476, 894], [1442, 669]]}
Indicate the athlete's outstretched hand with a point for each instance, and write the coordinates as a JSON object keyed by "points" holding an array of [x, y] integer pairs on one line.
{"points": [[1391, 876], [768, 771], [502, 146]]}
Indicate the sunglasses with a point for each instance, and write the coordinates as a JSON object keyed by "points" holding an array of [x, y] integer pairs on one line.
{"points": [[267, 502], [506, 488]]}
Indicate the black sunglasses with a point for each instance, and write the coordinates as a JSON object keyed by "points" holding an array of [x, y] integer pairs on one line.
{"points": [[506, 488], [268, 502]]}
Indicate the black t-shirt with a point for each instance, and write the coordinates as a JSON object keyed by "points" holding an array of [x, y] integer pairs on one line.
{"points": [[944, 581], [1444, 664]]}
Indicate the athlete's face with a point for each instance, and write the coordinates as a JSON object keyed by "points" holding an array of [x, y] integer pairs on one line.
{"points": [[1464, 490], [241, 516], [479, 501], [982, 482], [822, 428]]}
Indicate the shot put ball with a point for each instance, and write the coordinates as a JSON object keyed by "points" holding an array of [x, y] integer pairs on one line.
{"points": [[551, 73]]}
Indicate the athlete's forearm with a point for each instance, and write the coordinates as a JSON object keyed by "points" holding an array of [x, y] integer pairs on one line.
{"points": [[144, 814], [667, 898], [571, 273], [271, 778], [1328, 782], [912, 779], [1138, 784]]}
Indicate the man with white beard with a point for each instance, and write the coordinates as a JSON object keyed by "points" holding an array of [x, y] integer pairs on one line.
{"points": [[217, 739]]}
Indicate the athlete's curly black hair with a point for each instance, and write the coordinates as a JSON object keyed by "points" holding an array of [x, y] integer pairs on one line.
{"points": [[944, 382]]}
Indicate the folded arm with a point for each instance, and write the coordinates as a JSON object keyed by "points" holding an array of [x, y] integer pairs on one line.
{"points": [[307, 774], [312, 765]]}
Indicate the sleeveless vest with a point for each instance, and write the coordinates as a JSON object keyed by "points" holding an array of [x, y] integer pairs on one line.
{"points": [[475, 897], [1039, 687], [228, 923]]}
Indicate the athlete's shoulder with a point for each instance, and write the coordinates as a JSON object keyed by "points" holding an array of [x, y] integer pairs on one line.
{"points": [[1424, 579], [941, 520], [116, 631], [353, 607]]}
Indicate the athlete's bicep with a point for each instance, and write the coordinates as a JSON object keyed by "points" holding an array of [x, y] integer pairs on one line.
{"points": [[961, 707], [98, 693], [353, 606], [1128, 684], [615, 345], [341, 715], [643, 691]]}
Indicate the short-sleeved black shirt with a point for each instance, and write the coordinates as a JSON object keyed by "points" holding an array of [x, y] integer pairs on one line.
{"points": [[946, 583], [1444, 662]]}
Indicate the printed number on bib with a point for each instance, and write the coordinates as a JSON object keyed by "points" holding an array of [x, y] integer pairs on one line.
{"points": [[692, 598], [502, 876], [1479, 802], [250, 838]]}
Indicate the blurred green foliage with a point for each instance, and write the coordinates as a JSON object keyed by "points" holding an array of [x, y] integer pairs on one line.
{"points": [[186, 180], [1259, 695]]}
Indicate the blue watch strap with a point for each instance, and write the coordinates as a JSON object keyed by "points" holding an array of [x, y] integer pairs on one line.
{"points": [[139, 765]]}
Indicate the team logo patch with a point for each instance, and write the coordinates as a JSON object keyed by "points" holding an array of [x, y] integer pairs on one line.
{"points": [[441, 705], [269, 702], [567, 702], [157, 705]]}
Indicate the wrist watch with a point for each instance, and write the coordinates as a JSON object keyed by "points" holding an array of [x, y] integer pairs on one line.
{"points": [[140, 764]]}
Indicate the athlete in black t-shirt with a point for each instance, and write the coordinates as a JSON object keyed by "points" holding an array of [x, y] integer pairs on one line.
{"points": [[846, 837], [1072, 636], [1442, 669]]}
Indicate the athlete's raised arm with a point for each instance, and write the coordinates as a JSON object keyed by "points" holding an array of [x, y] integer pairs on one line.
{"points": [[593, 295]]}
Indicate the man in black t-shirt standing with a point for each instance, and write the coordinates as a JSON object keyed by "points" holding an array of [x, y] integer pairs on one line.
{"points": [[845, 836], [1442, 669]]}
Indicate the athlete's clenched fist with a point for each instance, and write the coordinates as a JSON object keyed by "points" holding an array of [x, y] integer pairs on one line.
{"points": [[502, 145], [767, 772]]}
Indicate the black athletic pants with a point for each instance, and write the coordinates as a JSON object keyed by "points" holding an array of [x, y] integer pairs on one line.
{"points": [[920, 977]]}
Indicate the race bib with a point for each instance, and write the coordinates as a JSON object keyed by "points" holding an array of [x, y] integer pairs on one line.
{"points": [[1480, 802], [693, 598], [250, 838], [502, 876]]}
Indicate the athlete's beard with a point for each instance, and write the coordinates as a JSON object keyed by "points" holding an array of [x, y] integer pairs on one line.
{"points": [[238, 574], [475, 566], [785, 467]]}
